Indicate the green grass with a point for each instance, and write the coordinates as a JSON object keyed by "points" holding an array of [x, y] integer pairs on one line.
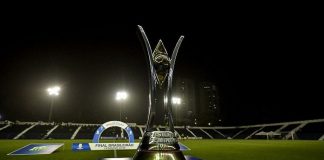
{"points": [[205, 149]]}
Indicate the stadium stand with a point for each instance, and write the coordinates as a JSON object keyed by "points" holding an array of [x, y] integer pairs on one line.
{"points": [[289, 128], [12, 131], [86, 132], [63, 132], [308, 130], [228, 133], [290, 131], [137, 132], [312, 131], [200, 133], [243, 134], [215, 134], [183, 132], [113, 132], [4, 126], [37, 132], [270, 128]]}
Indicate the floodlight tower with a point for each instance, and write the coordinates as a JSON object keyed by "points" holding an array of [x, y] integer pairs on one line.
{"points": [[52, 92]]}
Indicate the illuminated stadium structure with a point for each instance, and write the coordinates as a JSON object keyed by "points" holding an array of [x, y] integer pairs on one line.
{"points": [[304, 130]]}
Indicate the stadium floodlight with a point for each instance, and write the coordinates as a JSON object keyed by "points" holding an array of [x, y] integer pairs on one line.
{"points": [[53, 92], [176, 100], [209, 124], [121, 95]]}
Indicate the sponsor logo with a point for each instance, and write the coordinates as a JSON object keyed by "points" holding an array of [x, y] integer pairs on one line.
{"points": [[36, 149], [79, 147]]}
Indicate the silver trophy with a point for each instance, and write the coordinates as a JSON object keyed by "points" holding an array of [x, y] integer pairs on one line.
{"points": [[158, 145]]}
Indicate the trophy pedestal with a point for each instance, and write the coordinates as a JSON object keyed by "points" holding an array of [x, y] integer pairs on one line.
{"points": [[159, 155], [159, 145], [154, 158]]}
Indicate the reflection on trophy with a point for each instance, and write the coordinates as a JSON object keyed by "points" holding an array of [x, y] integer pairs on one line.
{"points": [[158, 145]]}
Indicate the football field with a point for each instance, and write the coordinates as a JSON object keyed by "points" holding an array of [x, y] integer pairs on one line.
{"points": [[204, 149]]}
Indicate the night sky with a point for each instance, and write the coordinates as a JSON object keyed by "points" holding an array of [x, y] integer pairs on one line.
{"points": [[264, 62]]}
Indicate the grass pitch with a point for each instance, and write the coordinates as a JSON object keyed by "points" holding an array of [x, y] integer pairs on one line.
{"points": [[204, 149]]}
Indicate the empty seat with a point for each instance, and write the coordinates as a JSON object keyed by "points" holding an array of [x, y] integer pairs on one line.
{"points": [[86, 132], [200, 133], [229, 133], [312, 131], [12, 131], [183, 132], [214, 134], [246, 132], [63, 132], [37, 132]]}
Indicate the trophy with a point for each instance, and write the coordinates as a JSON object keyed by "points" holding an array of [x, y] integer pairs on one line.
{"points": [[159, 145]]}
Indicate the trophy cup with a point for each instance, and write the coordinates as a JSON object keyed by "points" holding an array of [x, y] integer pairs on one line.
{"points": [[159, 145]]}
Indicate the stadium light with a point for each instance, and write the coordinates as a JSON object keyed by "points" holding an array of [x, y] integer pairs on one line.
{"points": [[121, 96], [176, 100], [52, 92]]}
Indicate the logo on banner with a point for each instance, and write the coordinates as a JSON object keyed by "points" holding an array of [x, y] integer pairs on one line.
{"points": [[37, 149], [96, 145], [80, 147]]}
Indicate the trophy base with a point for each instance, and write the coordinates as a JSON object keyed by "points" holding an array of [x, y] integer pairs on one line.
{"points": [[159, 145], [159, 155], [186, 157]]}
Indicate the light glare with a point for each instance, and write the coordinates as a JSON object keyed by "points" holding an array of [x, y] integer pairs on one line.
{"points": [[54, 91], [122, 95], [176, 100]]}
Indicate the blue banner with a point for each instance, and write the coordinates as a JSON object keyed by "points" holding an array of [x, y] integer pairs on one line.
{"points": [[81, 147], [183, 147], [34, 149], [103, 146]]}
